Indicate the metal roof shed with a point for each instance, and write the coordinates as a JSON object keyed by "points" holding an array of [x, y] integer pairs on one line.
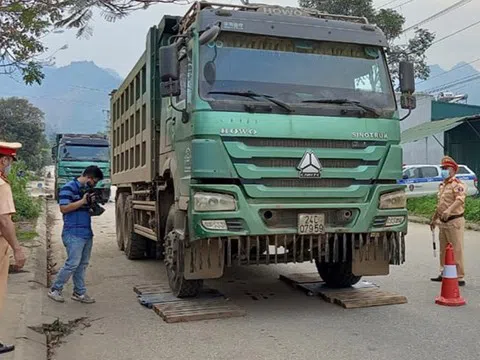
{"points": [[461, 138]]}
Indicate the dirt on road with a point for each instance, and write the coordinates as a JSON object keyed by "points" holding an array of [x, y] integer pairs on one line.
{"points": [[281, 323]]}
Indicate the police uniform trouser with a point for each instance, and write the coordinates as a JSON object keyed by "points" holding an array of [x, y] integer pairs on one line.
{"points": [[4, 262], [453, 232]]}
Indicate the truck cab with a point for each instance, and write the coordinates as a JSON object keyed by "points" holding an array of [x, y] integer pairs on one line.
{"points": [[72, 153]]}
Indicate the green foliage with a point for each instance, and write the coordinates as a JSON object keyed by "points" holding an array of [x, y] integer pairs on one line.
{"points": [[23, 24], [22, 122], [391, 23], [26, 206], [425, 206]]}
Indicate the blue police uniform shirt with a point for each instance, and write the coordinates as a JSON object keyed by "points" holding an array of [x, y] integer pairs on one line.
{"points": [[77, 223]]}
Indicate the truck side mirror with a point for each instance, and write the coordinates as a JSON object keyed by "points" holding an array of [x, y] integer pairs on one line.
{"points": [[209, 35], [407, 85], [169, 71]]}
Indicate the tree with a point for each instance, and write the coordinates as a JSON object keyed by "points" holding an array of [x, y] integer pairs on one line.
{"points": [[391, 23], [22, 122], [23, 24]]}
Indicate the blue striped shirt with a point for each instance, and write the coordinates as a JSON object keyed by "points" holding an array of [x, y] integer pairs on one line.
{"points": [[77, 223]]}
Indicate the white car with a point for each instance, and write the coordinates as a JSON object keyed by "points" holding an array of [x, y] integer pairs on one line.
{"points": [[422, 180]]}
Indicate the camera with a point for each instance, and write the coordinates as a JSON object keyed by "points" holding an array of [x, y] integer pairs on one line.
{"points": [[94, 197]]}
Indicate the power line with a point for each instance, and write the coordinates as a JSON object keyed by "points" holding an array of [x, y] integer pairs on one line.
{"points": [[89, 88], [404, 3], [446, 72], [441, 13], [450, 35], [456, 32], [461, 81], [387, 3]]}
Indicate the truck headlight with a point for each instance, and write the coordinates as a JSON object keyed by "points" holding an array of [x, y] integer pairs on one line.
{"points": [[393, 200], [213, 202]]}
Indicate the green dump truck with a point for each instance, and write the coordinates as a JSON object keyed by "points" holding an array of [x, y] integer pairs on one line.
{"points": [[256, 134], [72, 153]]}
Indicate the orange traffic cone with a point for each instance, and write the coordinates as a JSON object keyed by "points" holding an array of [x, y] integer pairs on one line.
{"points": [[450, 294]]}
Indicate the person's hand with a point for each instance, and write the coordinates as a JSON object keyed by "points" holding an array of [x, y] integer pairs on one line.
{"points": [[432, 225], [19, 257], [85, 199], [445, 215]]}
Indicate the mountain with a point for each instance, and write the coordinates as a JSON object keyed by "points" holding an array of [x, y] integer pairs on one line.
{"points": [[463, 78], [74, 98]]}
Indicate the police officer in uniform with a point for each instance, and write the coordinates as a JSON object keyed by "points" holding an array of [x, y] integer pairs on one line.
{"points": [[449, 216], [8, 152]]}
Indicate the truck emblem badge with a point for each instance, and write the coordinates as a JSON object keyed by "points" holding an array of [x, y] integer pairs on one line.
{"points": [[309, 165]]}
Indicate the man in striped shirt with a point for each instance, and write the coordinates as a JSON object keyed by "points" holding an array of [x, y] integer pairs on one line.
{"points": [[77, 235]]}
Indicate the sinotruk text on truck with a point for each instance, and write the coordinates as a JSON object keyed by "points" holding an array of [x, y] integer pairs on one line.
{"points": [[252, 134]]}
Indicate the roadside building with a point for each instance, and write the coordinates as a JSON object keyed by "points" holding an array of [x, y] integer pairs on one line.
{"points": [[437, 128]]}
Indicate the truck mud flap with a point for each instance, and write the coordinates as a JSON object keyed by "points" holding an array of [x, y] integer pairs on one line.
{"points": [[292, 248]]}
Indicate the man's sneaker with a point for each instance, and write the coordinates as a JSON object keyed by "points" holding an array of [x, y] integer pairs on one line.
{"points": [[6, 348], [56, 295], [83, 298]]}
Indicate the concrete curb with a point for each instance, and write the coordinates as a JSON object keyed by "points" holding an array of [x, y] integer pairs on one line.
{"points": [[31, 345], [424, 220]]}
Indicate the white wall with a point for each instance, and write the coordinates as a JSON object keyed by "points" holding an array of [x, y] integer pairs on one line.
{"points": [[427, 150]]}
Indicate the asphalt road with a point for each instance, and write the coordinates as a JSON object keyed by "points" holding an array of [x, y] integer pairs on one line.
{"points": [[282, 324]]}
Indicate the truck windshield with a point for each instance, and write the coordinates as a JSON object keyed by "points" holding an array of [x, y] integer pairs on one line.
{"points": [[294, 71], [84, 153]]}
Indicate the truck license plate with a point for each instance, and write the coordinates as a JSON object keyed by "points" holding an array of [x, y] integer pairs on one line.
{"points": [[311, 224]]}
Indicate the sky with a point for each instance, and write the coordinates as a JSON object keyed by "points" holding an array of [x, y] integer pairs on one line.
{"points": [[118, 45]]}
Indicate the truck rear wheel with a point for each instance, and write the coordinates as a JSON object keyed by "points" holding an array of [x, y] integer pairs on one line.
{"points": [[337, 275], [120, 221], [174, 261], [134, 244]]}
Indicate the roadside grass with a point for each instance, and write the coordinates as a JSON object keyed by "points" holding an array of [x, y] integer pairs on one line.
{"points": [[425, 206], [27, 207], [25, 236]]}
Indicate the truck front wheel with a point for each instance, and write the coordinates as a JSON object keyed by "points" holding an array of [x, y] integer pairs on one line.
{"points": [[337, 275], [174, 262]]}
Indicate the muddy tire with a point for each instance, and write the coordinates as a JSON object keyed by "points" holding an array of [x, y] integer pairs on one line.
{"points": [[174, 261], [120, 221], [337, 275], [135, 246]]}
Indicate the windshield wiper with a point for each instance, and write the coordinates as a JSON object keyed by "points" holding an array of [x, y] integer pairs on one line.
{"points": [[344, 101], [254, 95]]}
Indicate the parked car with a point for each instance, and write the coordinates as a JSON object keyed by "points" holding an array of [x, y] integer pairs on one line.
{"points": [[422, 180]]}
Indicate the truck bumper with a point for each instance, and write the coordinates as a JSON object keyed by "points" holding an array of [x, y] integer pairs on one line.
{"points": [[280, 216]]}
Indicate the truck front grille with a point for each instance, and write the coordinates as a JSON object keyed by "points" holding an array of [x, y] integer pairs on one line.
{"points": [[306, 143], [326, 163], [305, 183]]}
